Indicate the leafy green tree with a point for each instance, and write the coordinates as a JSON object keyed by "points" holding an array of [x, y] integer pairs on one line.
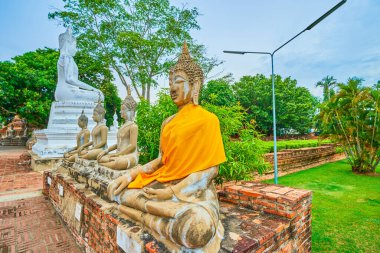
{"points": [[27, 85], [138, 39], [328, 83], [295, 106], [218, 92], [352, 119]]}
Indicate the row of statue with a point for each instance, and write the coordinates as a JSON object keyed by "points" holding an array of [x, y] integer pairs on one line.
{"points": [[126, 155], [174, 194]]}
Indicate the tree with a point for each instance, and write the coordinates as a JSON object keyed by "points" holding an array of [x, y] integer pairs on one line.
{"points": [[295, 106], [328, 83], [27, 85], [138, 39], [352, 119], [218, 92]]}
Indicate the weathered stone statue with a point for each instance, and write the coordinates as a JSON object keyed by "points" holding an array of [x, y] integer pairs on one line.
{"points": [[69, 88], [126, 155], [174, 194], [83, 137], [92, 149]]}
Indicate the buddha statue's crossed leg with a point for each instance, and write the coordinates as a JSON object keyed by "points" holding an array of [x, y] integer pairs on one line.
{"points": [[187, 224]]}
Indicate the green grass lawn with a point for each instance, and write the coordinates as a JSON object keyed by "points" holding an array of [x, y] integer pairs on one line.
{"points": [[346, 207]]}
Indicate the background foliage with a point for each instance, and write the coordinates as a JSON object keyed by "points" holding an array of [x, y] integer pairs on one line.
{"points": [[27, 85], [138, 39], [295, 106]]}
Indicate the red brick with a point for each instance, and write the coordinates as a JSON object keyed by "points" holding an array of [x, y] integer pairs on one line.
{"points": [[233, 188], [250, 193]]}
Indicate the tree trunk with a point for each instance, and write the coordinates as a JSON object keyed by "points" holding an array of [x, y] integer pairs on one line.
{"points": [[148, 93]]}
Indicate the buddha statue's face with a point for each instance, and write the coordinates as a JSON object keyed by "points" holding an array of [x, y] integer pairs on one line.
{"points": [[82, 123], [127, 114], [97, 117], [180, 88]]}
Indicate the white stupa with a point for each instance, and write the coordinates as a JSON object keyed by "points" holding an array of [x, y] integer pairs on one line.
{"points": [[71, 97]]}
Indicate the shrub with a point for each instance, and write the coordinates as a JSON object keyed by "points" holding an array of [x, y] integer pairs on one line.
{"points": [[149, 119], [245, 153]]}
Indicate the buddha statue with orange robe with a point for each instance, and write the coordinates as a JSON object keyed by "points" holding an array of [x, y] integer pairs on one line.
{"points": [[174, 195]]}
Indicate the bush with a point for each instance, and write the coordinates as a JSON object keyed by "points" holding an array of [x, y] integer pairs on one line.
{"points": [[293, 144], [245, 153], [149, 119]]}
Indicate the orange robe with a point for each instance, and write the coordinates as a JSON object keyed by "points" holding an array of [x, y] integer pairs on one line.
{"points": [[190, 142]]}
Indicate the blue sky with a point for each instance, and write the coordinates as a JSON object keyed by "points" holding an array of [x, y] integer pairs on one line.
{"points": [[345, 44]]}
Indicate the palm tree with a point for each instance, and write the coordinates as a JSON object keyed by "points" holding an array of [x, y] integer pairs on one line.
{"points": [[328, 83], [351, 117]]}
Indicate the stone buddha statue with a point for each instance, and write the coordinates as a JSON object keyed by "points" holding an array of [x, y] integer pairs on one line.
{"points": [[83, 137], [126, 155], [69, 88], [174, 195], [92, 149]]}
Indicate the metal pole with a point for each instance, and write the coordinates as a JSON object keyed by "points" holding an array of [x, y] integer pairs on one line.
{"points": [[274, 126]]}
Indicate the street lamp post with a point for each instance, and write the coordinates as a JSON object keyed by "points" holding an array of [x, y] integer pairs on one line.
{"points": [[273, 86]]}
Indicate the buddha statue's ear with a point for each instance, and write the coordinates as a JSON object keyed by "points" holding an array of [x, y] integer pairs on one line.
{"points": [[196, 87]]}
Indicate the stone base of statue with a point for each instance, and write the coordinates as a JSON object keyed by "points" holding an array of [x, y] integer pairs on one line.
{"points": [[60, 135], [90, 173], [257, 217]]}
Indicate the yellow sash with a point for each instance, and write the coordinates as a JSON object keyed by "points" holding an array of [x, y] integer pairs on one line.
{"points": [[190, 142]]}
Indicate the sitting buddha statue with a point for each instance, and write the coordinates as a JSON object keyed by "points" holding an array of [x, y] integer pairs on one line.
{"points": [[174, 194], [126, 155], [69, 88], [92, 149], [83, 137]]}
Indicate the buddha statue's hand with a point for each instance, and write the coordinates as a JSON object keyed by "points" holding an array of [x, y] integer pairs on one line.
{"points": [[158, 194], [101, 154], [119, 184]]}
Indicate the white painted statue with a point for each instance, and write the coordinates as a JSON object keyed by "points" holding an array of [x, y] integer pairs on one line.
{"points": [[69, 88], [71, 98]]}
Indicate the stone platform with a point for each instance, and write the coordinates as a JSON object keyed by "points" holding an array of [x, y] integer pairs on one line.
{"points": [[256, 217]]}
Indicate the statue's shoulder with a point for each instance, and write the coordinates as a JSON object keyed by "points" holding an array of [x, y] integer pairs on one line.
{"points": [[167, 120], [209, 116]]}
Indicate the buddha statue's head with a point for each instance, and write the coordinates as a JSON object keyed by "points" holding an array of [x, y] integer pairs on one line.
{"points": [[185, 79], [82, 120], [99, 112], [67, 43], [128, 108]]}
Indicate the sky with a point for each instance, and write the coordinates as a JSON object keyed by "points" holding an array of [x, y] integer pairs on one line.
{"points": [[345, 44]]}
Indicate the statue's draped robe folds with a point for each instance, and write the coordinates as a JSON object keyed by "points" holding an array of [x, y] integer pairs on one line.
{"points": [[192, 149], [190, 142]]}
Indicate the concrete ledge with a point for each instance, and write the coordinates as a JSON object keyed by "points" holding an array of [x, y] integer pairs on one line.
{"points": [[42, 164]]}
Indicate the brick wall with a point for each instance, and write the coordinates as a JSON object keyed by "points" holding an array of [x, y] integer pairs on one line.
{"points": [[292, 160], [293, 205], [97, 228]]}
